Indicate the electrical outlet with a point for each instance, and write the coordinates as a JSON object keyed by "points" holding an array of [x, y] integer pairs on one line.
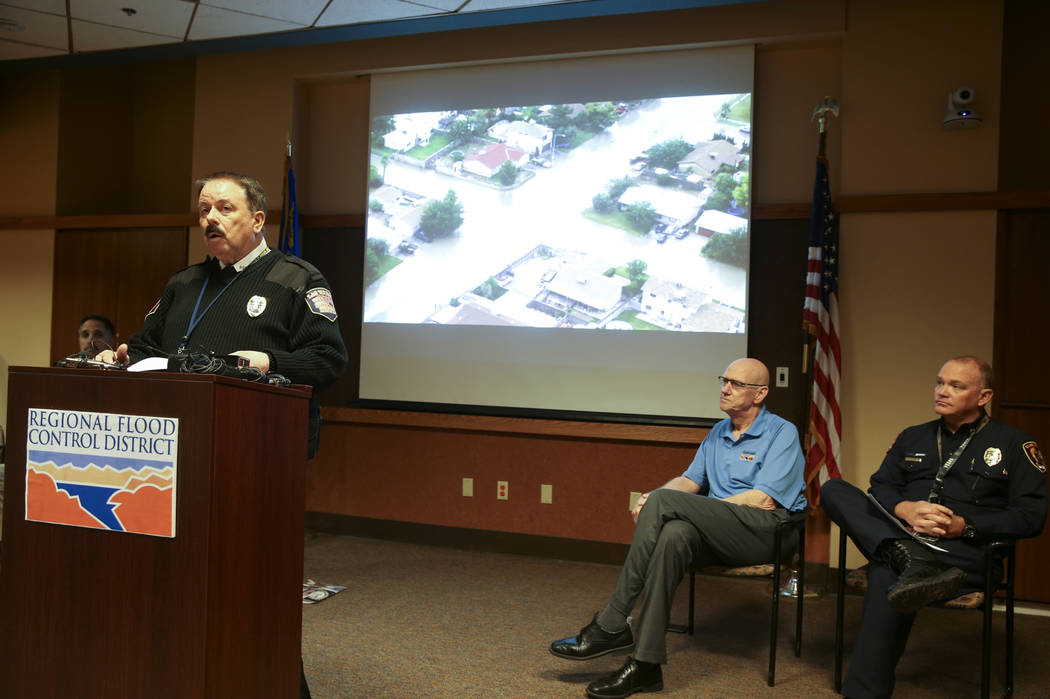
{"points": [[632, 500], [546, 494], [502, 490], [468, 487], [782, 377]]}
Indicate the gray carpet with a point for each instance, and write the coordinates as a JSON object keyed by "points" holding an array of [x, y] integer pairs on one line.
{"points": [[421, 621]]}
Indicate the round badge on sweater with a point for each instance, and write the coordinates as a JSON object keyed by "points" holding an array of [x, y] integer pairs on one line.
{"points": [[256, 305], [992, 456]]}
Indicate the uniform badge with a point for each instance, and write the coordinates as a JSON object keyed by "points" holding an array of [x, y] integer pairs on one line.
{"points": [[992, 456], [319, 301], [1031, 450], [256, 305]]}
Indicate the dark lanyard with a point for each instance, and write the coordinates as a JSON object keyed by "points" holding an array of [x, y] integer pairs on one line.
{"points": [[196, 319], [938, 480]]}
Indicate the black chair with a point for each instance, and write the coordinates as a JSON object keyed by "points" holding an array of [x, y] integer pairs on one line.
{"points": [[1005, 548], [796, 522]]}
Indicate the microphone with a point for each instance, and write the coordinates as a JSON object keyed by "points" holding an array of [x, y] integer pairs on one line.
{"points": [[80, 360], [99, 345]]}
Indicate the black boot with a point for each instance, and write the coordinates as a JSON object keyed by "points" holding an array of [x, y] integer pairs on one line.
{"points": [[922, 578]]}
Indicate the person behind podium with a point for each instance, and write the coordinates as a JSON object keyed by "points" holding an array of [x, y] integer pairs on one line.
{"points": [[745, 479], [245, 299], [95, 334]]}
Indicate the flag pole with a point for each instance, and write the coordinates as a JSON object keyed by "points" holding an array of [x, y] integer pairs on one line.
{"points": [[288, 237], [794, 587], [829, 105]]}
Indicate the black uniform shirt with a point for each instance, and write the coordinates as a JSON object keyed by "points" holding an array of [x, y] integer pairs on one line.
{"points": [[998, 483]]}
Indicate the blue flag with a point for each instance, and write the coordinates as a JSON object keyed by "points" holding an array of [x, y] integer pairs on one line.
{"points": [[288, 241]]}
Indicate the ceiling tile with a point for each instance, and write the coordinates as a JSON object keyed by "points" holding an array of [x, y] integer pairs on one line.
{"points": [[215, 23], [443, 5], [12, 50], [358, 11], [55, 7], [300, 11], [475, 5], [39, 28], [153, 16], [89, 36]]}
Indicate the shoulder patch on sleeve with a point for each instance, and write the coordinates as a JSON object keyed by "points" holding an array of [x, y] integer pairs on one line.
{"points": [[1031, 450], [319, 301], [152, 310]]}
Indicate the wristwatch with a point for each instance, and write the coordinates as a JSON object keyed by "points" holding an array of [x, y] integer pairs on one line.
{"points": [[968, 531]]}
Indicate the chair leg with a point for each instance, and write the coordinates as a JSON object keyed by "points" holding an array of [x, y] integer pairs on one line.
{"points": [[1010, 624], [840, 609], [986, 625], [775, 611], [773, 622], [801, 588]]}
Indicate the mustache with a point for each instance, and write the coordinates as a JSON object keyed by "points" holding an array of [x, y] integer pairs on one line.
{"points": [[212, 228]]}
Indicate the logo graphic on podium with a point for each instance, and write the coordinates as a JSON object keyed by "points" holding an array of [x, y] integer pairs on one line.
{"points": [[102, 470]]}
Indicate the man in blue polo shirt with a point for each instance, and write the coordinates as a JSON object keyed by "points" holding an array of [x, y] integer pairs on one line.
{"points": [[746, 477]]}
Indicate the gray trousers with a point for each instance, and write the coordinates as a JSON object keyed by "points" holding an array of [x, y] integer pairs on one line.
{"points": [[675, 530]]}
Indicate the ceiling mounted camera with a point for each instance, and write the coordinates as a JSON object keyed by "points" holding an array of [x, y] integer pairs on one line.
{"points": [[961, 113]]}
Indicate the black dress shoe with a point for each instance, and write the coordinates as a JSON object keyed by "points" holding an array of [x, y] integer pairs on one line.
{"points": [[593, 641], [922, 578], [634, 676]]}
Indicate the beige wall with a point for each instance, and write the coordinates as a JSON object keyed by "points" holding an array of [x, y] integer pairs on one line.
{"points": [[916, 288], [891, 64], [790, 79], [25, 312], [900, 60], [29, 142]]}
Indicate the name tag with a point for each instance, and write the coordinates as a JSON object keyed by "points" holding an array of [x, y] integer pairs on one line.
{"points": [[914, 458]]}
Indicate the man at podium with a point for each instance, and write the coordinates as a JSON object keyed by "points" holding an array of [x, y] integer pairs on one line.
{"points": [[246, 299], [275, 310]]}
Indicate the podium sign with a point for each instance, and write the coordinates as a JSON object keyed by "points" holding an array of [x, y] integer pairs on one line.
{"points": [[210, 607], [102, 470]]}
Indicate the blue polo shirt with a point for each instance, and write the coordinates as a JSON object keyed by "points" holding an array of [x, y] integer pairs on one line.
{"points": [[767, 457]]}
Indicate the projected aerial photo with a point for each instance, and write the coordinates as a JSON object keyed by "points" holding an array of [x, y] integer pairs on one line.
{"points": [[616, 215]]}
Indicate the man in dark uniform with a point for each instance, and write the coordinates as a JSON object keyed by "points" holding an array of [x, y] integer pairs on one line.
{"points": [[247, 300], [957, 482]]}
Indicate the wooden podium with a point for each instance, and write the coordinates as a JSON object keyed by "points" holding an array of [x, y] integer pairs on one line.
{"points": [[215, 611]]}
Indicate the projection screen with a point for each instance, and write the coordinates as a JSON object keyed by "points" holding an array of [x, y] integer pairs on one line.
{"points": [[560, 235]]}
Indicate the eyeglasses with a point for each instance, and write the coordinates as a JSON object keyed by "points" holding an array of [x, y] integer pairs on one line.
{"points": [[738, 385]]}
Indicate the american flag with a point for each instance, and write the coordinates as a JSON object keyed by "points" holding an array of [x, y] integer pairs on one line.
{"points": [[288, 240], [820, 318]]}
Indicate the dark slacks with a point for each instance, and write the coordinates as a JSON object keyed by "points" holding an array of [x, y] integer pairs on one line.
{"points": [[675, 530], [883, 631]]}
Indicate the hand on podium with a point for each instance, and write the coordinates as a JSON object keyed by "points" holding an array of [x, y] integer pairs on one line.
{"points": [[120, 356]]}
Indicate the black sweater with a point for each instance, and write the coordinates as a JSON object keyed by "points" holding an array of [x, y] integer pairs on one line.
{"points": [[278, 304]]}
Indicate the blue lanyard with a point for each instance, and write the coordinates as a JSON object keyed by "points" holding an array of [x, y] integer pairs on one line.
{"points": [[196, 319]]}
